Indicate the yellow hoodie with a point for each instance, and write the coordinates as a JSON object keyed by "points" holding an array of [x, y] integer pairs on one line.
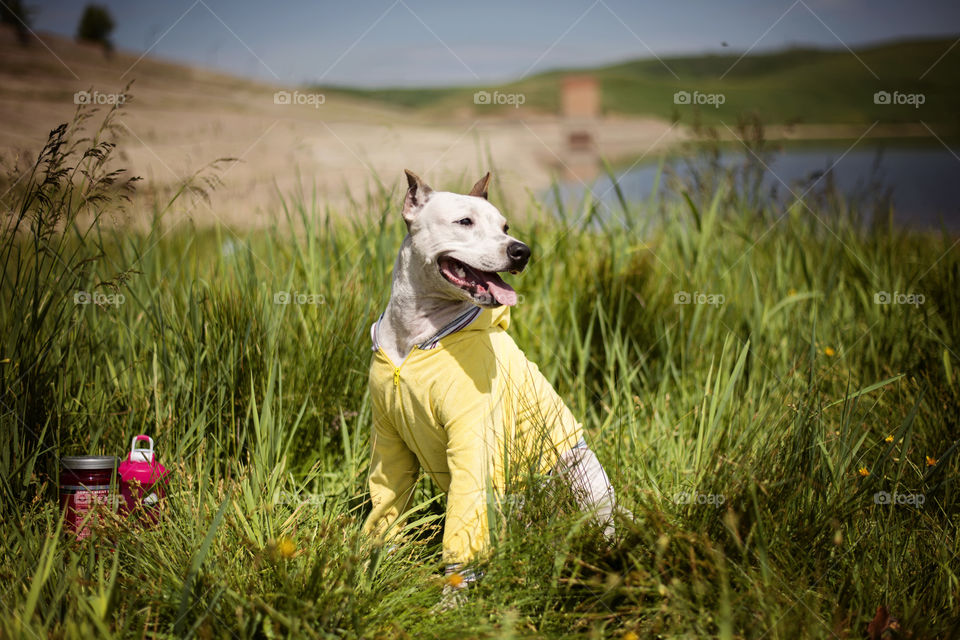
{"points": [[466, 406]]}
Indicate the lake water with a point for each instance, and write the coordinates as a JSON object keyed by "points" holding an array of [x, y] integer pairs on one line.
{"points": [[925, 180]]}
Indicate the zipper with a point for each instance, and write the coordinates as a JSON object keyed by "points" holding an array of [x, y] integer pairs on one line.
{"points": [[396, 369]]}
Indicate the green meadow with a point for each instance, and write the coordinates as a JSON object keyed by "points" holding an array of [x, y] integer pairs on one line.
{"points": [[773, 389]]}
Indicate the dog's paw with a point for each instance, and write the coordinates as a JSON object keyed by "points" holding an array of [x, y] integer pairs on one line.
{"points": [[452, 597], [457, 583]]}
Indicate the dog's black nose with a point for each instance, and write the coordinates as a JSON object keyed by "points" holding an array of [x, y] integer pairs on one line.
{"points": [[519, 253]]}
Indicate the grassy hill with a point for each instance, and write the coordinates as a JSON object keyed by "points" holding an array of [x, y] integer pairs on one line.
{"points": [[796, 85]]}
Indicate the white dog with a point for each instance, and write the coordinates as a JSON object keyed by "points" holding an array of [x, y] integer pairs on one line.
{"points": [[451, 392]]}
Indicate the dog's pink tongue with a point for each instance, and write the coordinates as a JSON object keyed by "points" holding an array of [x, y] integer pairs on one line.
{"points": [[500, 290]]}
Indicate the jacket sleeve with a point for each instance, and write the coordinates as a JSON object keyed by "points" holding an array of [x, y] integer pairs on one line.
{"points": [[471, 420], [393, 476]]}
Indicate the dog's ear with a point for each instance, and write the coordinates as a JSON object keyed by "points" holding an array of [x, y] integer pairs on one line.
{"points": [[480, 189], [417, 194]]}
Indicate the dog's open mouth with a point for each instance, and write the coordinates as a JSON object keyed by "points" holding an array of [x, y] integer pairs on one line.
{"points": [[486, 287]]}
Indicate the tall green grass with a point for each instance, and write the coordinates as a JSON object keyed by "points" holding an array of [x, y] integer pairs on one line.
{"points": [[735, 433]]}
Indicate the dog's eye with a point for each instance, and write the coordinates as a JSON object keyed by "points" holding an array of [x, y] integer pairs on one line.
{"points": [[467, 222], [506, 228]]}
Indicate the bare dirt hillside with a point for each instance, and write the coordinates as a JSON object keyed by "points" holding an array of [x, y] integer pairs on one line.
{"points": [[180, 118]]}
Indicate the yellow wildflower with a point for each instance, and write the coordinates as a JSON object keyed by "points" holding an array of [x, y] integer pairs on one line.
{"points": [[454, 580], [863, 472], [888, 439], [931, 462], [286, 547], [830, 352], [283, 548]]}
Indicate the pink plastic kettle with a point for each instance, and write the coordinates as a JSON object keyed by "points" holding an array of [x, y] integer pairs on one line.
{"points": [[142, 479]]}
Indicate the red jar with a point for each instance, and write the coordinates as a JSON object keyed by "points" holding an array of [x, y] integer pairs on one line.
{"points": [[87, 483]]}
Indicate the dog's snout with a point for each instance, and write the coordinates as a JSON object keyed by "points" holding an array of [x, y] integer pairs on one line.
{"points": [[519, 253]]}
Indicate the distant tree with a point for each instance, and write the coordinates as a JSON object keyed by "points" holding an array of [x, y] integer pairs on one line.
{"points": [[96, 25], [19, 16]]}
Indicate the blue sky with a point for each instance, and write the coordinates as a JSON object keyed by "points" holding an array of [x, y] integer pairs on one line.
{"points": [[437, 42]]}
